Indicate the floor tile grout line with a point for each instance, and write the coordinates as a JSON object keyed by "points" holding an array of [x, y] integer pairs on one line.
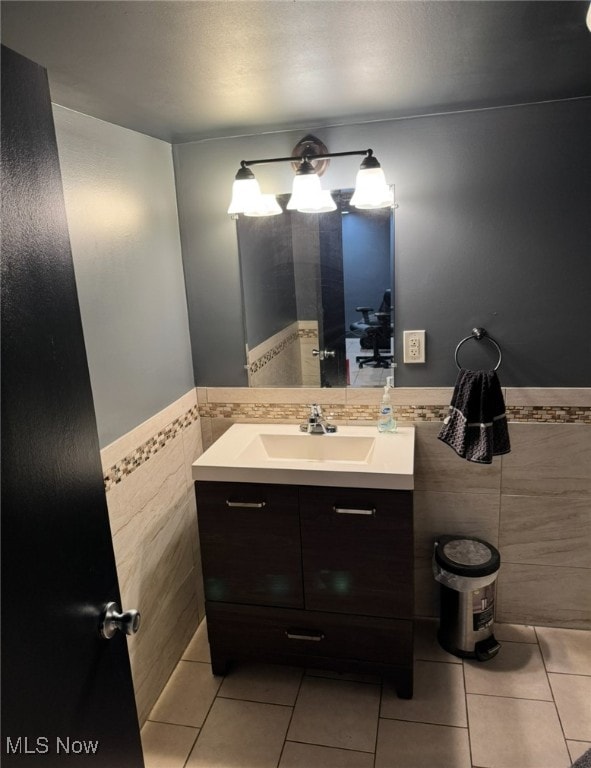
{"points": [[375, 751], [467, 713], [254, 701], [381, 682], [176, 725], [425, 722], [202, 726], [504, 696], [192, 747], [552, 692], [326, 746], [295, 701]]}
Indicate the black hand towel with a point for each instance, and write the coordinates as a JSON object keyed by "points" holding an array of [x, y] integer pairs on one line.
{"points": [[476, 427]]}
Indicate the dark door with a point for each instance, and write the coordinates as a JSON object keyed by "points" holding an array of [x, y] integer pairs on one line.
{"points": [[67, 694], [331, 320]]}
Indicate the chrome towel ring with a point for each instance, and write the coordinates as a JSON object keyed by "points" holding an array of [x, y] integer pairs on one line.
{"points": [[478, 334]]}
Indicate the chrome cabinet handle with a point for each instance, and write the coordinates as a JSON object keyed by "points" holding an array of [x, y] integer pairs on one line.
{"points": [[248, 504], [113, 621], [295, 635], [345, 511]]}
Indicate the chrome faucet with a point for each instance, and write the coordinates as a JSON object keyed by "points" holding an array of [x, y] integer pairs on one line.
{"points": [[317, 424]]}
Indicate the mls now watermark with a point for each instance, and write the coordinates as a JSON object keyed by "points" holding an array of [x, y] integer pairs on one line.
{"points": [[43, 745]]}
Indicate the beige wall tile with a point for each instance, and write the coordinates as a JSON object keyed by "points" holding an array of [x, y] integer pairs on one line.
{"points": [[206, 432], [426, 588], [303, 395], [438, 468], [193, 535], [401, 395], [548, 459], [192, 447], [545, 530], [154, 652], [127, 443], [563, 396], [545, 595], [154, 542], [188, 695], [466, 514]]}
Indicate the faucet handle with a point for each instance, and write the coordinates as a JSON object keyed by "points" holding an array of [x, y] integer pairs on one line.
{"points": [[315, 410]]}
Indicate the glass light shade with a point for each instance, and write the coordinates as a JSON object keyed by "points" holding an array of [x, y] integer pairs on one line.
{"points": [[322, 204], [371, 190], [305, 192], [267, 205], [246, 194]]}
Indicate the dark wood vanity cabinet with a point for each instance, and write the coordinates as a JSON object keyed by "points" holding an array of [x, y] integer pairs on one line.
{"points": [[310, 576]]}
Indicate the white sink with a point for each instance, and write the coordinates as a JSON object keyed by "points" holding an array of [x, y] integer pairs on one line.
{"points": [[304, 447], [353, 457]]}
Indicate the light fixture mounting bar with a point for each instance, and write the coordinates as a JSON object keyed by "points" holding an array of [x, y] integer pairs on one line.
{"points": [[304, 157]]}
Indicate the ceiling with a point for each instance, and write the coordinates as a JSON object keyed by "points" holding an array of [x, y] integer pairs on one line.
{"points": [[192, 70]]}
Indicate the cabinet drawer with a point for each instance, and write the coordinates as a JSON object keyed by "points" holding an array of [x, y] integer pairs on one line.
{"points": [[357, 550], [250, 543], [282, 634]]}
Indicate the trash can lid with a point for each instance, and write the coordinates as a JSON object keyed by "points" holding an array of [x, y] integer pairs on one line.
{"points": [[466, 555]]}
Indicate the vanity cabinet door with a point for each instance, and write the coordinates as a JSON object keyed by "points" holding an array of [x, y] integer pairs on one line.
{"points": [[357, 551], [250, 543]]}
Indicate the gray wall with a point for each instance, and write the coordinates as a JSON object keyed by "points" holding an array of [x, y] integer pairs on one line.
{"points": [[122, 217], [492, 229], [267, 271]]}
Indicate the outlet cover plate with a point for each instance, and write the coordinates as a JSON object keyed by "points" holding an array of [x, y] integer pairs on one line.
{"points": [[414, 346]]}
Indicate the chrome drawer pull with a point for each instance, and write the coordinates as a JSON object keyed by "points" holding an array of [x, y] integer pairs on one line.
{"points": [[316, 637], [249, 504], [345, 511]]}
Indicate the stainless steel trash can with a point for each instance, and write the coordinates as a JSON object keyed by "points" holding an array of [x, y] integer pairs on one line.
{"points": [[466, 569]]}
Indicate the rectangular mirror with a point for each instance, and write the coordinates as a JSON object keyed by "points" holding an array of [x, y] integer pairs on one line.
{"points": [[316, 291]]}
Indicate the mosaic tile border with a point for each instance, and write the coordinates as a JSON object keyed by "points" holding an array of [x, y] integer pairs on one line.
{"points": [[273, 352], [149, 448], [303, 333], [519, 413], [543, 414]]}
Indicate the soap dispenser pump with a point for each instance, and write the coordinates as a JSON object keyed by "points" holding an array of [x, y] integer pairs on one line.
{"points": [[386, 422]]}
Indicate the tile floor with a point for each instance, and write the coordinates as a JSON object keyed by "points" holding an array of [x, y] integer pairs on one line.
{"points": [[529, 707]]}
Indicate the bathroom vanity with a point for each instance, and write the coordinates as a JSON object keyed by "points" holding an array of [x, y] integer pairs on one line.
{"points": [[310, 562]]}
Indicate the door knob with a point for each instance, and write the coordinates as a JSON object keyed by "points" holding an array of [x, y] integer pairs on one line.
{"points": [[127, 622], [323, 354]]}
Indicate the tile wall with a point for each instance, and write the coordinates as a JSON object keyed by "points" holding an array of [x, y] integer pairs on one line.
{"points": [[534, 504], [286, 357], [152, 512]]}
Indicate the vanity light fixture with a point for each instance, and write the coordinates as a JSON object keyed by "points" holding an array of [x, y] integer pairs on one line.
{"points": [[371, 189]]}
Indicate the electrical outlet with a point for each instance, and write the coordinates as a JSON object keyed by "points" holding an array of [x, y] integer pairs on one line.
{"points": [[414, 346]]}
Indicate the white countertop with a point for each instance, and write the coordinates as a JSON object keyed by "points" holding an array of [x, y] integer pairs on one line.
{"points": [[353, 457]]}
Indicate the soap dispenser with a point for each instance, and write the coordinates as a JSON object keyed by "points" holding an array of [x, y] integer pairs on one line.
{"points": [[386, 421]]}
